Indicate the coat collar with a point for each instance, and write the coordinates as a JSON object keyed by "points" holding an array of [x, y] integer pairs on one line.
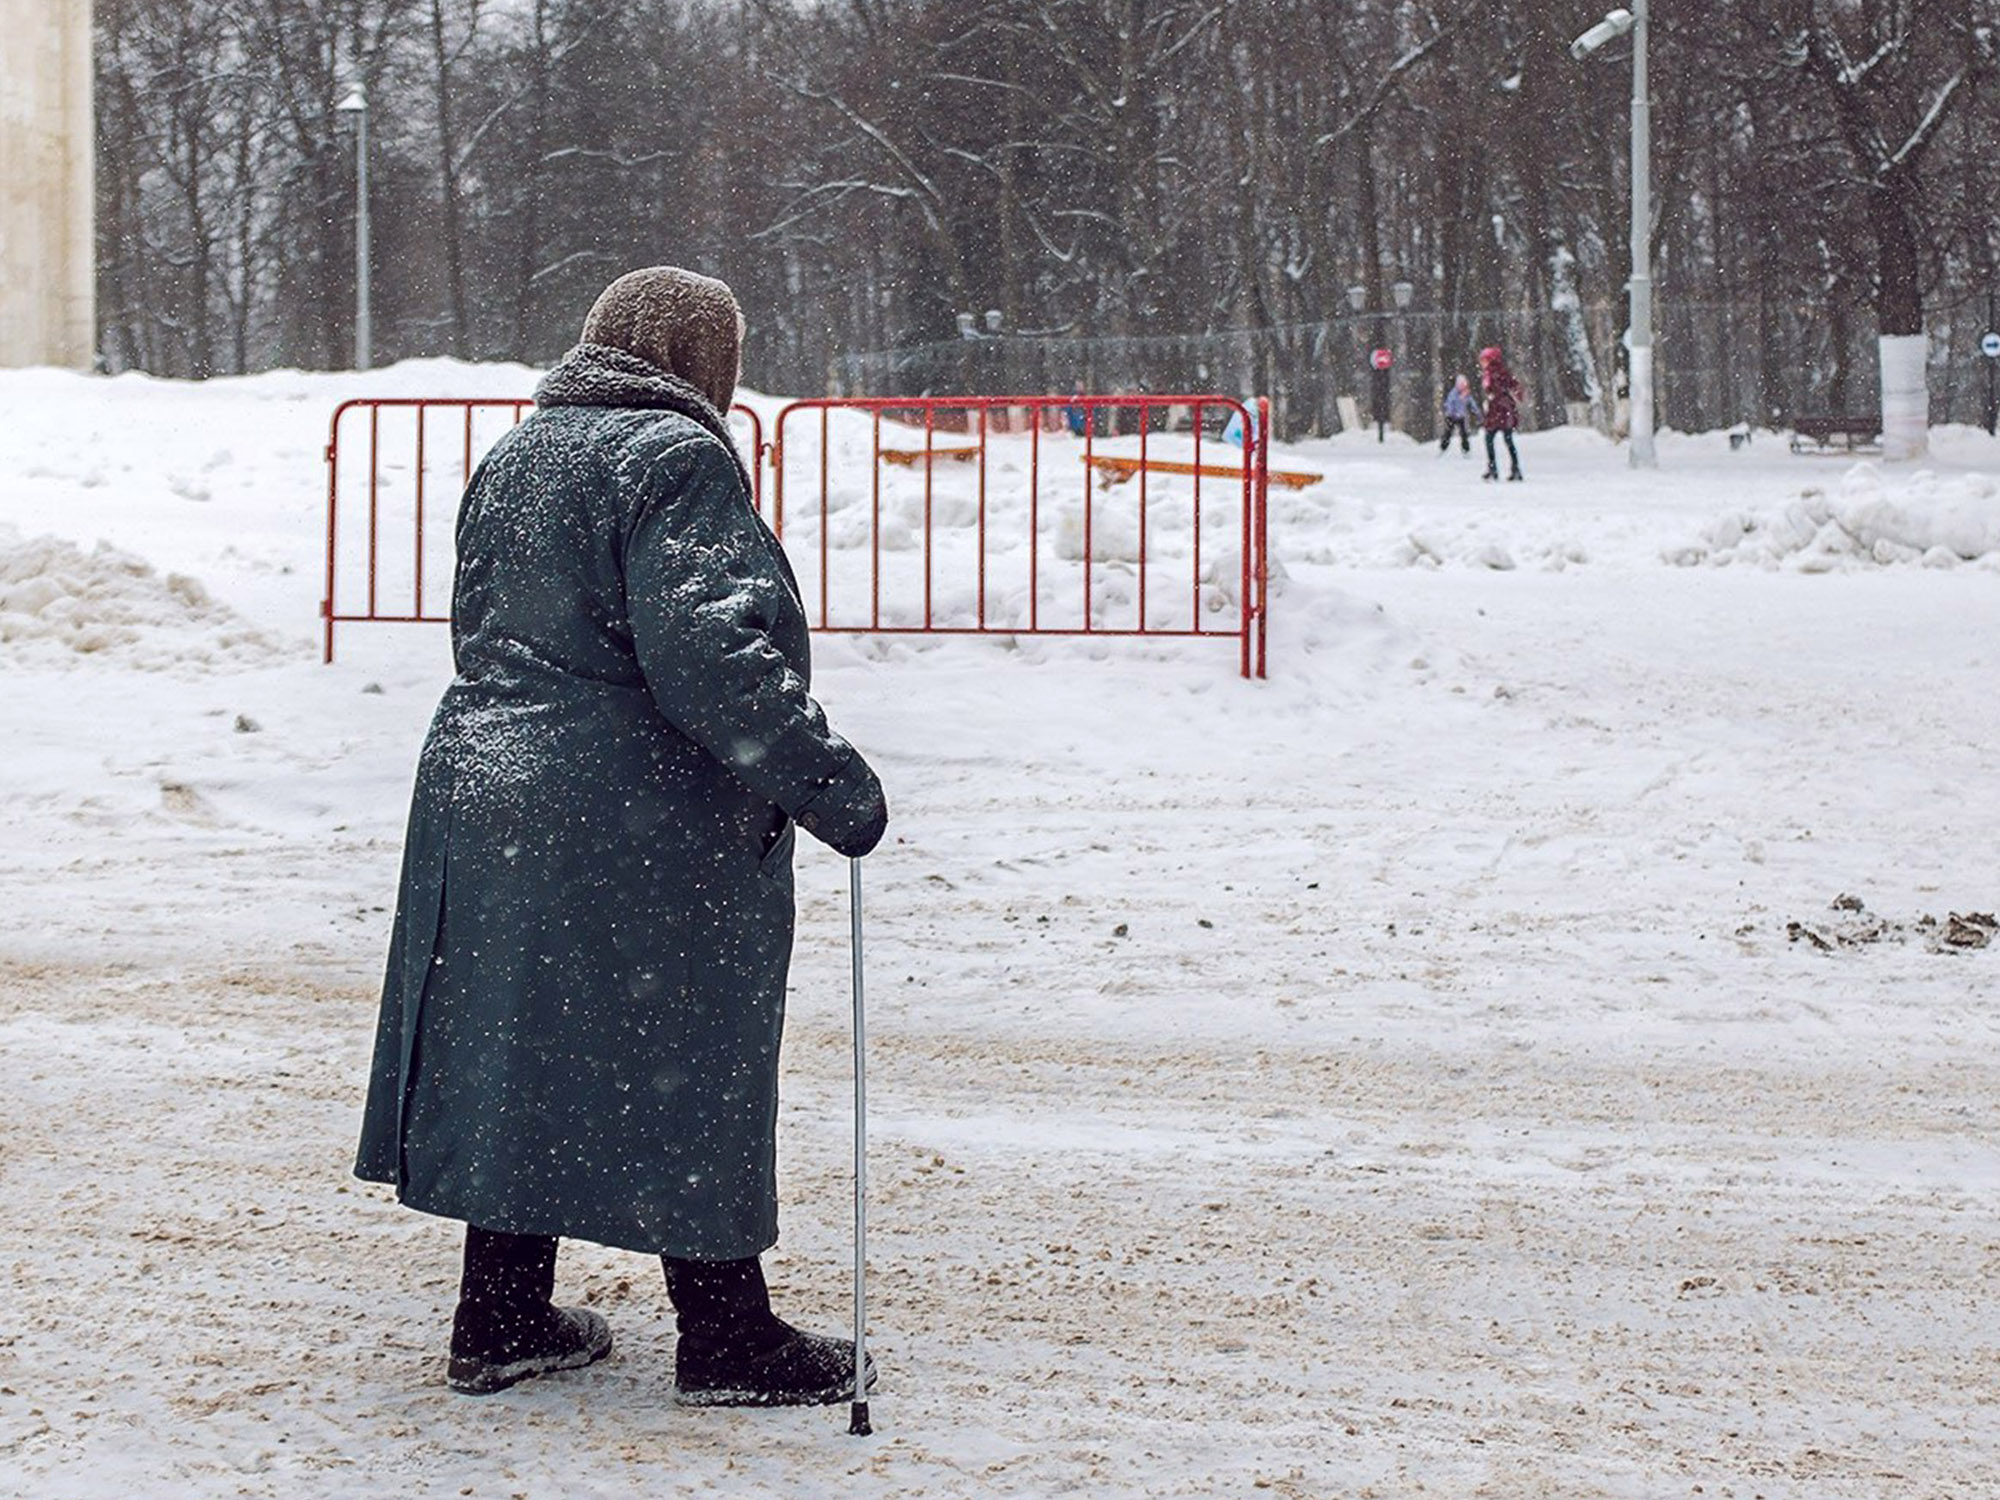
{"points": [[599, 375]]}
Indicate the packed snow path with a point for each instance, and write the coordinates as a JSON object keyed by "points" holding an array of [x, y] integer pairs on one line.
{"points": [[1443, 1067]]}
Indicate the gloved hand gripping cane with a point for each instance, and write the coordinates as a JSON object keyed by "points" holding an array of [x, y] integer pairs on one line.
{"points": [[858, 1420]]}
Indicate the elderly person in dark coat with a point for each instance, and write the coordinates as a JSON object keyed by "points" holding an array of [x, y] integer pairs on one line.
{"points": [[586, 981]]}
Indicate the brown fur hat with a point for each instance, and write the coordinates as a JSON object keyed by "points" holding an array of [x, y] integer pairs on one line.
{"points": [[687, 325]]}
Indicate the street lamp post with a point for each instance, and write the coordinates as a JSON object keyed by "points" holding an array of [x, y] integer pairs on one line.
{"points": [[356, 104], [1614, 25]]}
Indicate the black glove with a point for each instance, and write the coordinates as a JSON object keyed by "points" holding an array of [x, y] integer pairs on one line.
{"points": [[850, 815], [867, 833]]}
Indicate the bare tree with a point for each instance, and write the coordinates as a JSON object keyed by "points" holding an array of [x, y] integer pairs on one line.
{"points": [[1890, 75], [1167, 192]]}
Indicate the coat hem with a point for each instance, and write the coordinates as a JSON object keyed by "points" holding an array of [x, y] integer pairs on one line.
{"points": [[608, 1235]]}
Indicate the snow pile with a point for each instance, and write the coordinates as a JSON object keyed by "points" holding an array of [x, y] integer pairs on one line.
{"points": [[60, 605], [1936, 520], [1473, 547], [1372, 535]]}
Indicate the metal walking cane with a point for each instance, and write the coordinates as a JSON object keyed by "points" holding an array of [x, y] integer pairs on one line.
{"points": [[858, 1420]]}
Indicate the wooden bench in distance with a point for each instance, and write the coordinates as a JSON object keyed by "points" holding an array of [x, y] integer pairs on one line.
{"points": [[1116, 469], [1815, 434], [910, 458]]}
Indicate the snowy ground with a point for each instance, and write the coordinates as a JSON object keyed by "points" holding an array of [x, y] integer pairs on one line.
{"points": [[1441, 1069]]}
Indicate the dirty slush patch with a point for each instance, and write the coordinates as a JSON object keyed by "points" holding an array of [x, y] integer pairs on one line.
{"points": [[1853, 925]]}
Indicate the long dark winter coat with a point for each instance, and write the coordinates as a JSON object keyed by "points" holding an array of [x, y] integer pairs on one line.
{"points": [[580, 1021]]}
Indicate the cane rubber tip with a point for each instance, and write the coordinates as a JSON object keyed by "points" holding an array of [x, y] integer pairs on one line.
{"points": [[857, 1425]]}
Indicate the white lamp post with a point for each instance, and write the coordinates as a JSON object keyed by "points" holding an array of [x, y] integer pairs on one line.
{"points": [[1613, 26], [356, 104]]}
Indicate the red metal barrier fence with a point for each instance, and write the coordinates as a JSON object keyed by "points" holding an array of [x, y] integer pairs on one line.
{"points": [[965, 515], [979, 515], [389, 499]]}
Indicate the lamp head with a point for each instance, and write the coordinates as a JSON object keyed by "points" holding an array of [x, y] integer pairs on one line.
{"points": [[355, 103], [1613, 26]]}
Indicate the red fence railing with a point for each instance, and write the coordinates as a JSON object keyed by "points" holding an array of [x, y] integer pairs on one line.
{"points": [[964, 515], [381, 542], [1126, 516]]}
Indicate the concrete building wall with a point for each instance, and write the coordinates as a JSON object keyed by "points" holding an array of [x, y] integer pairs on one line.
{"points": [[48, 256]]}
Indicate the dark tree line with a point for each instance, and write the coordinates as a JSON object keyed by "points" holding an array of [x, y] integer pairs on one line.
{"points": [[1160, 192]]}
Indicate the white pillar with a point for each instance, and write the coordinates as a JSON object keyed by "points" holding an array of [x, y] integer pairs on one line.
{"points": [[1906, 402], [48, 256]]}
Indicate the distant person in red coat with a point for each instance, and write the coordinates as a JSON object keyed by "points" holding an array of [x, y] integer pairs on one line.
{"points": [[1503, 410]]}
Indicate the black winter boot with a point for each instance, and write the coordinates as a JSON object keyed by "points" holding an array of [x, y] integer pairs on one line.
{"points": [[505, 1329], [733, 1351]]}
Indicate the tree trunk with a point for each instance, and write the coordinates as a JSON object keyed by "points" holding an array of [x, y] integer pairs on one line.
{"points": [[529, 232], [454, 253], [1899, 316]]}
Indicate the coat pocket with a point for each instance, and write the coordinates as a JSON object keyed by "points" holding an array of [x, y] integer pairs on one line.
{"points": [[778, 858]]}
